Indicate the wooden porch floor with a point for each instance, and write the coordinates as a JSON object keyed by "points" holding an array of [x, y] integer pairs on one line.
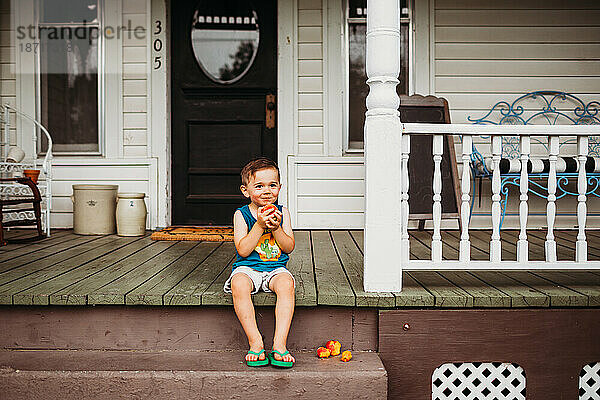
{"points": [[68, 269]]}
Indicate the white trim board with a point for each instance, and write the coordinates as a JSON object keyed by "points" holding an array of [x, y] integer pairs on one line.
{"points": [[287, 90], [159, 130]]}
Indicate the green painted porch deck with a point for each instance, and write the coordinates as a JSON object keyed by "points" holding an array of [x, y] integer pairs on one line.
{"points": [[68, 269]]}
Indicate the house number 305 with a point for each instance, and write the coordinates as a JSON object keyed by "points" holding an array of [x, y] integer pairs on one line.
{"points": [[157, 45]]}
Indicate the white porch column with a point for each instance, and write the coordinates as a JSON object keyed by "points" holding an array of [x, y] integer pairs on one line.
{"points": [[382, 259]]}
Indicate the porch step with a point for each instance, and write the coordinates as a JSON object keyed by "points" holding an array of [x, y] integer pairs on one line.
{"points": [[91, 374]]}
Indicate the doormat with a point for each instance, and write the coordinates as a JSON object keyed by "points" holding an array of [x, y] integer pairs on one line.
{"points": [[208, 233]]}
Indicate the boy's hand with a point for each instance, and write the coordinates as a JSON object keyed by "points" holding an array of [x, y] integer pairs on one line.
{"points": [[264, 215], [274, 220]]}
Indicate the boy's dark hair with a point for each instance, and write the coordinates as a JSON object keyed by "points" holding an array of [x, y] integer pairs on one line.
{"points": [[256, 165]]}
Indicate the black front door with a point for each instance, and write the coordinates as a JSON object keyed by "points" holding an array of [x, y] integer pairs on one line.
{"points": [[224, 74]]}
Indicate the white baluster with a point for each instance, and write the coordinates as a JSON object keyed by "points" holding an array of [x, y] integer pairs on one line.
{"points": [[581, 245], [495, 243], [436, 240], [404, 238], [522, 244], [550, 244], [465, 184]]}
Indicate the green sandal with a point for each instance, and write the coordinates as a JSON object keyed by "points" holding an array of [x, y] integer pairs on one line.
{"points": [[258, 363], [280, 363]]}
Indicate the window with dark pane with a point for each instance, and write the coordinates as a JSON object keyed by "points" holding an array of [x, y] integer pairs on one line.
{"points": [[68, 11], [69, 80], [357, 76]]}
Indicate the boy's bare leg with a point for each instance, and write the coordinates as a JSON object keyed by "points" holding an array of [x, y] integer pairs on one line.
{"points": [[241, 286], [283, 286]]}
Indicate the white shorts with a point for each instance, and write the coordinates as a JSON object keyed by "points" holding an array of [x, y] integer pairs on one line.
{"points": [[260, 279]]}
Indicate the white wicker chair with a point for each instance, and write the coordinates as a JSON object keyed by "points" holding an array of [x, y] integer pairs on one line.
{"points": [[14, 190]]}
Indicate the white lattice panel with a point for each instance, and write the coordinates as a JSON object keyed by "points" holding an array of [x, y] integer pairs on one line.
{"points": [[589, 382], [478, 381]]}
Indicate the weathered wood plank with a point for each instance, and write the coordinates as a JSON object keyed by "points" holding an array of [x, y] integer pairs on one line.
{"points": [[40, 293], [418, 249], [537, 242], [215, 295], [359, 238], [114, 292], [579, 281], [413, 294], [568, 239], [77, 293], [560, 296], [521, 296], [151, 291], [509, 241], [333, 287], [445, 292], [16, 249], [36, 246], [16, 233], [301, 266], [59, 252], [105, 245], [419, 244], [536, 245], [481, 239], [352, 263], [27, 265], [451, 240], [189, 290], [13, 233], [483, 294]]}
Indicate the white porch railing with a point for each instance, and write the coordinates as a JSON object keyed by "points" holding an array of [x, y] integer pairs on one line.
{"points": [[495, 133]]}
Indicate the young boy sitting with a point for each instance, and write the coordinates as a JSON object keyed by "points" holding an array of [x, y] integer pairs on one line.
{"points": [[263, 238]]}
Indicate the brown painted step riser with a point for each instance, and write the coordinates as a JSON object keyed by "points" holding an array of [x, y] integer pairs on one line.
{"points": [[186, 375], [188, 385], [177, 328]]}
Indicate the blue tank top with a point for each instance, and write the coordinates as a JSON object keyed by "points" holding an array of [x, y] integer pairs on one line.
{"points": [[267, 255]]}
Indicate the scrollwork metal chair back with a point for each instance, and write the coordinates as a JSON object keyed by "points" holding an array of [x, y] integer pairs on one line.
{"points": [[544, 107]]}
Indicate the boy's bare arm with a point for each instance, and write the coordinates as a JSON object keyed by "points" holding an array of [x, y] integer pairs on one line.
{"points": [[245, 241], [284, 235]]}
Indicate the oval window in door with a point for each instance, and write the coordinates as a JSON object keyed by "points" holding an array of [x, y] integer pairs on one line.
{"points": [[225, 37]]}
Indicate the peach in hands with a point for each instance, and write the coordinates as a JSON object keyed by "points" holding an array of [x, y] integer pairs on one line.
{"points": [[267, 208]]}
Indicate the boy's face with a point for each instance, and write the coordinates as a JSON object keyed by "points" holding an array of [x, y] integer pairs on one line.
{"points": [[263, 188]]}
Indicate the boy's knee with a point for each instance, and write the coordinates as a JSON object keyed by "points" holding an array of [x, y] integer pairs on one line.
{"points": [[240, 283], [283, 282]]}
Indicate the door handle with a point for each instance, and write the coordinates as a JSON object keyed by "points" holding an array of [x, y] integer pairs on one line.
{"points": [[270, 111]]}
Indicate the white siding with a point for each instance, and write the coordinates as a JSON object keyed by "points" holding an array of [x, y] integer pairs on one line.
{"points": [[135, 80], [486, 51], [327, 192], [310, 77]]}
